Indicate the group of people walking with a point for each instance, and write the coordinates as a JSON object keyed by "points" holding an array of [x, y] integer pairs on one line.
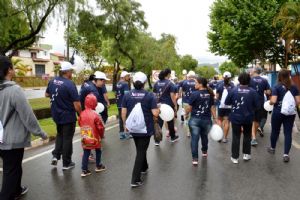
{"points": [[203, 104]]}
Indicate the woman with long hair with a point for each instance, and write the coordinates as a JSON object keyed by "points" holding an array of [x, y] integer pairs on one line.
{"points": [[224, 110], [283, 86], [201, 106], [165, 92]]}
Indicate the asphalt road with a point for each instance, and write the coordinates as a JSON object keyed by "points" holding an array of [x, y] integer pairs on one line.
{"points": [[171, 175]]}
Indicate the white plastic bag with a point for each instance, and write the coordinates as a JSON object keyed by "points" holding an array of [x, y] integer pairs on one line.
{"points": [[1, 132], [135, 122], [224, 95], [288, 104]]}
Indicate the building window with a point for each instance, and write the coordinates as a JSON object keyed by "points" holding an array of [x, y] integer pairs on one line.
{"points": [[33, 55], [39, 70]]}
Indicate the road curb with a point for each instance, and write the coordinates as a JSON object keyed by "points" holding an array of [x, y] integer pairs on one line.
{"points": [[39, 142]]}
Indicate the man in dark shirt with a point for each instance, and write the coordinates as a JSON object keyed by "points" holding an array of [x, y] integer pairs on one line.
{"points": [[65, 103], [121, 89], [261, 86]]}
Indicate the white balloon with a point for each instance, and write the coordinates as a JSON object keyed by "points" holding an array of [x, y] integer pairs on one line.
{"points": [[78, 64], [216, 132], [166, 112], [267, 106], [179, 101], [100, 108]]}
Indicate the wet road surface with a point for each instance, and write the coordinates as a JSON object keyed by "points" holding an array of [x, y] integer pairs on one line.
{"points": [[171, 175]]}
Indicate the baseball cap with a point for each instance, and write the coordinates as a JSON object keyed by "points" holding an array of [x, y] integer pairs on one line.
{"points": [[100, 75], [191, 73], [65, 66], [227, 75], [139, 76], [124, 73]]}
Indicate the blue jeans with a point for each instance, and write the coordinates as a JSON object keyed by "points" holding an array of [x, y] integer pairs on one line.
{"points": [[85, 158], [288, 123], [199, 128]]}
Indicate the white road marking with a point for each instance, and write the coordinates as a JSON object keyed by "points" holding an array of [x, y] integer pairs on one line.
{"points": [[49, 151]]}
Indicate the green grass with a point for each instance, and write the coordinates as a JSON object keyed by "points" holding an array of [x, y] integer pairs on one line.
{"points": [[49, 126], [39, 103]]}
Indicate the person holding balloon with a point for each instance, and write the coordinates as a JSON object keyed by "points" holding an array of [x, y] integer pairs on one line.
{"points": [[285, 97], [244, 102], [165, 93], [201, 106]]}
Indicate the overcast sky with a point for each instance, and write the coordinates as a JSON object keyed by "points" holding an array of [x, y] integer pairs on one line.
{"points": [[188, 20]]}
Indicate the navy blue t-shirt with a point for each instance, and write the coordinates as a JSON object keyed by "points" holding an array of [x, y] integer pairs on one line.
{"points": [[148, 103], [279, 90], [221, 86], [63, 93], [102, 90], [87, 88], [121, 89], [244, 102], [162, 90], [201, 103], [260, 85], [188, 87], [214, 84]]}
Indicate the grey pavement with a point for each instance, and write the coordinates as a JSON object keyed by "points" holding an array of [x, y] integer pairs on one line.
{"points": [[171, 174]]}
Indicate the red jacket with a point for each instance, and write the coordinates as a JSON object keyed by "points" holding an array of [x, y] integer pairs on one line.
{"points": [[89, 118]]}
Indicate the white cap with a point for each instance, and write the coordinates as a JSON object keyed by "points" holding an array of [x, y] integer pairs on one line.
{"points": [[191, 73], [65, 66], [124, 73], [140, 76], [227, 74], [100, 75]]}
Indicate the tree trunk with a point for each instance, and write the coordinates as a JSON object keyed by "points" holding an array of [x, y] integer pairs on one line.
{"points": [[115, 75], [149, 81]]}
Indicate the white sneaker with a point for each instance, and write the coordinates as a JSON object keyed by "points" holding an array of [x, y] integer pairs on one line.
{"points": [[247, 157], [156, 143], [235, 161]]}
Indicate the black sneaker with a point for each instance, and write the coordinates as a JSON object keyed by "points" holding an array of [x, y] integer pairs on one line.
{"points": [[100, 168], [175, 139], [54, 161], [24, 190], [286, 158], [70, 166], [260, 132], [136, 184], [85, 173]]}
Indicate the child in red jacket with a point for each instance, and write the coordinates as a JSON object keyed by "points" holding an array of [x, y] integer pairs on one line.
{"points": [[92, 130]]}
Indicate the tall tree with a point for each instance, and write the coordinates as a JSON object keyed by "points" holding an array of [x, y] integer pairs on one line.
{"points": [[229, 67], [289, 19], [188, 62], [124, 19], [206, 71], [243, 31], [21, 22]]}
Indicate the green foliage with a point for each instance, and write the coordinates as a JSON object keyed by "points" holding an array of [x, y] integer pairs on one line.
{"points": [[21, 22], [206, 71], [230, 67], [188, 62], [243, 31]]}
